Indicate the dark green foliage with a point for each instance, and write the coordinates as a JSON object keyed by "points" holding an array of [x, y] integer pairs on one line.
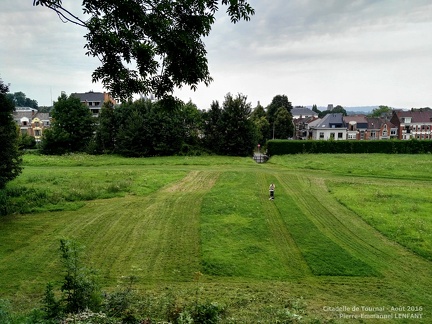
{"points": [[239, 132], [337, 109], [147, 129], [4, 203], [79, 289], [281, 147], [315, 109], [278, 128], [213, 128], [277, 102], [167, 127], [378, 112], [149, 46], [26, 142], [262, 125], [207, 313], [192, 120], [79, 286], [283, 124], [20, 99], [72, 127], [10, 156], [106, 130], [230, 130], [51, 306]]}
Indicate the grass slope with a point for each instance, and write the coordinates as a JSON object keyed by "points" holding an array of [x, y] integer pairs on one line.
{"points": [[319, 243]]}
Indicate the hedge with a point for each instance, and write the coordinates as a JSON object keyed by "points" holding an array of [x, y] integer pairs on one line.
{"points": [[281, 147]]}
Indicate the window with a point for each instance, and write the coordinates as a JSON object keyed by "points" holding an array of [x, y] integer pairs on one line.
{"points": [[37, 132], [373, 134], [332, 135], [321, 135], [340, 135], [393, 132]]}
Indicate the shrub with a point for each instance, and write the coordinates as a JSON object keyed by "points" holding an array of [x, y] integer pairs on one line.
{"points": [[281, 147], [79, 289], [207, 313]]}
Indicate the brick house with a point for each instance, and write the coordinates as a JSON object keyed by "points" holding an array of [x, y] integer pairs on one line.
{"points": [[414, 124], [357, 127]]}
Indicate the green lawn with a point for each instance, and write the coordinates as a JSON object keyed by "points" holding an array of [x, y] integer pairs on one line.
{"points": [[344, 230]]}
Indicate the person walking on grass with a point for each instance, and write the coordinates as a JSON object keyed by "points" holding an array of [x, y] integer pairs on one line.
{"points": [[271, 191]]}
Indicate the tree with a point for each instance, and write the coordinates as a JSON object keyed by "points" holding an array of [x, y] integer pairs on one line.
{"points": [[315, 109], [192, 119], [10, 156], [213, 129], [106, 130], [21, 100], [277, 102], [167, 126], [26, 142], [148, 46], [283, 125], [80, 289], [238, 131], [71, 129], [335, 110], [134, 135], [261, 123], [150, 129], [339, 109], [378, 112]]}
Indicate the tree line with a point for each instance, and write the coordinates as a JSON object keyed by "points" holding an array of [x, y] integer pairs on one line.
{"points": [[146, 128], [166, 127]]}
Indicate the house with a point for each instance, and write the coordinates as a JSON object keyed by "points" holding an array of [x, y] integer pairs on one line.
{"points": [[301, 126], [357, 127], [31, 122], [380, 128], [94, 100], [331, 126], [300, 112], [414, 124]]}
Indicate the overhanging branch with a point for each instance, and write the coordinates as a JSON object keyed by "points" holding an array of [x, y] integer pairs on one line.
{"points": [[63, 13]]}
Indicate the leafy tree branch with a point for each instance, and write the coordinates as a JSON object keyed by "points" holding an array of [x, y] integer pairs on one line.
{"points": [[148, 46]]}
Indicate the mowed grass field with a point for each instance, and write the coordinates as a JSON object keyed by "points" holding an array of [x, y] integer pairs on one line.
{"points": [[344, 231]]}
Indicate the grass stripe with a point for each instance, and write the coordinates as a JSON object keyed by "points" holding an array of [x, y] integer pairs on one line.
{"points": [[235, 233], [323, 255]]}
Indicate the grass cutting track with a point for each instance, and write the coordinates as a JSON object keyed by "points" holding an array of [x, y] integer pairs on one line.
{"points": [[327, 248]]}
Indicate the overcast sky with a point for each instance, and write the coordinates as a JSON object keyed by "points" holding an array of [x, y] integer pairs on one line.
{"points": [[341, 52]]}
